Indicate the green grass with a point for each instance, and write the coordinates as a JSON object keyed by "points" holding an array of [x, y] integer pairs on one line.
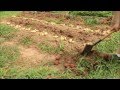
{"points": [[2, 40], [35, 73], [92, 13], [26, 41], [8, 54], [110, 45], [91, 17], [51, 49], [7, 32], [91, 21], [57, 21], [31, 73], [4, 14], [104, 70]]}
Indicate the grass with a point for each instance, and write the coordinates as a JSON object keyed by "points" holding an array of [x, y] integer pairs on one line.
{"points": [[59, 21], [104, 70], [26, 41], [31, 73], [91, 17], [2, 40], [92, 13], [6, 31], [51, 49], [43, 72], [110, 45], [107, 70], [91, 21], [4, 14], [8, 54]]}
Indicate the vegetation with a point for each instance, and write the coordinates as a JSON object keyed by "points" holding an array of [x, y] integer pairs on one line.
{"points": [[10, 55], [92, 13], [5, 14], [7, 32]]}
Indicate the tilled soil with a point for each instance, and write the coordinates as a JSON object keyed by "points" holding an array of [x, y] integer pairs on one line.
{"points": [[72, 32]]}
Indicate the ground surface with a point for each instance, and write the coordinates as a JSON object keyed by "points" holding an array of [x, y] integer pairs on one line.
{"points": [[51, 40]]}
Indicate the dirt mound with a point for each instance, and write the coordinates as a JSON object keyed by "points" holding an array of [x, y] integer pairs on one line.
{"points": [[54, 16], [80, 35]]}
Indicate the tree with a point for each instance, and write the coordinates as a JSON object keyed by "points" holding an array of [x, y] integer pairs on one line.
{"points": [[116, 20]]}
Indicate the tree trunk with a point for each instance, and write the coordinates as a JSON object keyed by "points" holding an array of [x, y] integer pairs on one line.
{"points": [[116, 20]]}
